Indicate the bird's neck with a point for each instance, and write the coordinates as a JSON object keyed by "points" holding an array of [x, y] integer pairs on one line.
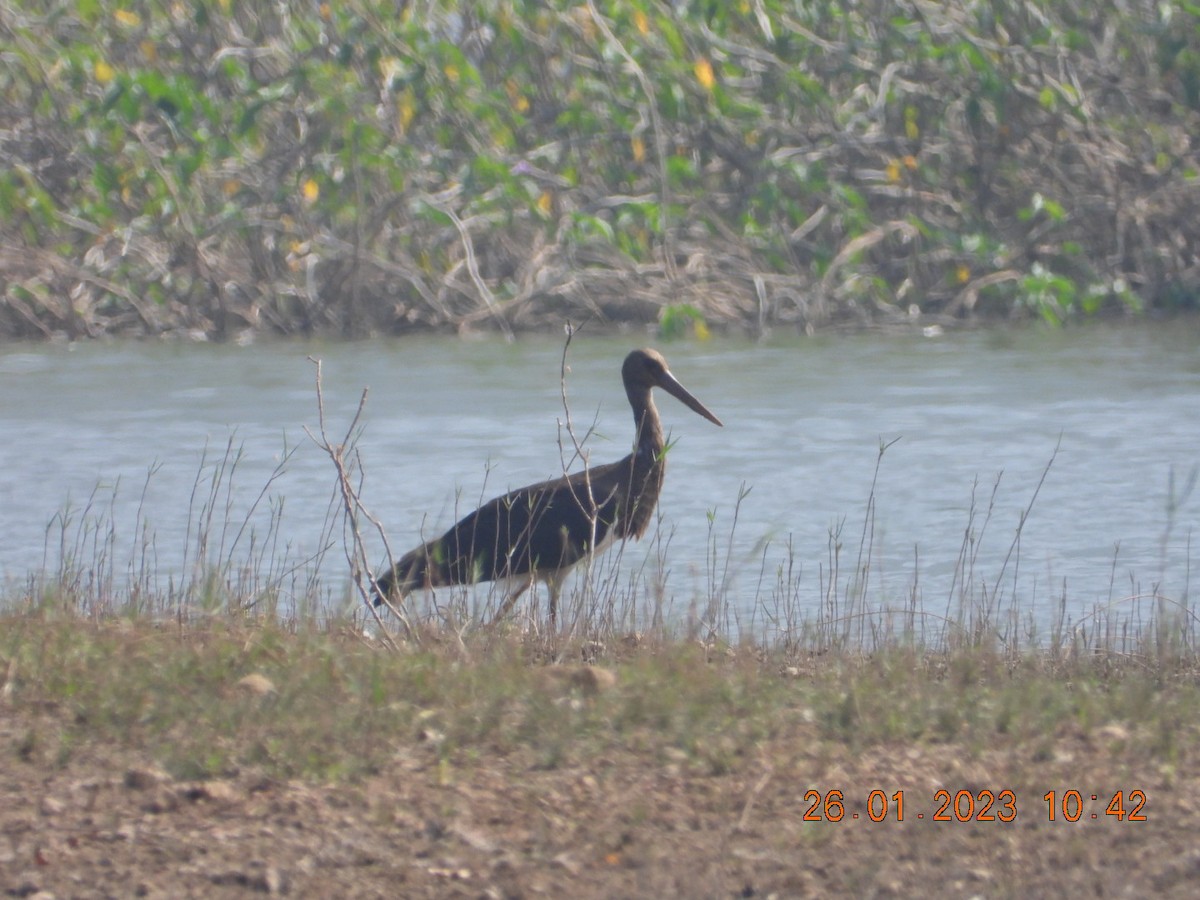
{"points": [[649, 442]]}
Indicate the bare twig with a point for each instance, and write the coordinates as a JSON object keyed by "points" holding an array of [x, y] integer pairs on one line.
{"points": [[473, 267], [353, 507]]}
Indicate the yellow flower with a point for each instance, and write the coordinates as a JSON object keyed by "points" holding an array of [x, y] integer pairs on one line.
{"points": [[893, 171], [583, 17], [127, 18], [704, 73], [103, 72], [519, 101], [406, 108], [962, 273], [544, 203], [642, 23], [638, 147], [310, 190]]}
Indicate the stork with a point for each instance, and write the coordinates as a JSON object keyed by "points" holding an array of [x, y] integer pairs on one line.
{"points": [[541, 531]]}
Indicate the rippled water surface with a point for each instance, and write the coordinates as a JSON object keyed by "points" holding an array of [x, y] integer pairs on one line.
{"points": [[975, 419]]}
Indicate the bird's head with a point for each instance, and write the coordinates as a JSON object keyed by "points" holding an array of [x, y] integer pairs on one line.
{"points": [[645, 369]]}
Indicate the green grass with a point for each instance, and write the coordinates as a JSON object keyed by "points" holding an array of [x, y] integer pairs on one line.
{"points": [[342, 706]]}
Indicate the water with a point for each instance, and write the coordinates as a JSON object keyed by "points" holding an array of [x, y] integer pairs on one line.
{"points": [[448, 423]]}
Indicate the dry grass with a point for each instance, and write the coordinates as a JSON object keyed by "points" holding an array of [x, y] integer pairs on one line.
{"points": [[217, 757], [209, 699]]}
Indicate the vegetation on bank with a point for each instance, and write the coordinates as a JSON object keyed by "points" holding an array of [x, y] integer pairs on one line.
{"points": [[350, 168]]}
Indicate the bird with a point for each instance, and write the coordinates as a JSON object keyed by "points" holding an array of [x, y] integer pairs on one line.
{"points": [[541, 531]]}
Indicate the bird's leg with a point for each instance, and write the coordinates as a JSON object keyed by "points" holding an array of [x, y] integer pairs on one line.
{"points": [[554, 587], [507, 605]]}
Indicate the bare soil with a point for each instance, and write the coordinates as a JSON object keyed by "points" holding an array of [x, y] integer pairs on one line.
{"points": [[108, 823]]}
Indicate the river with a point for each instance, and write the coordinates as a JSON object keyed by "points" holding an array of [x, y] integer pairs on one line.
{"points": [[972, 422]]}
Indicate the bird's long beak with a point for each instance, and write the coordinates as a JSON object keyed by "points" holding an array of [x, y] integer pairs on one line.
{"points": [[680, 393]]}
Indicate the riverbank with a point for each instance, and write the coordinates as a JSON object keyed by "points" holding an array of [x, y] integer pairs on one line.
{"points": [[223, 757], [257, 169]]}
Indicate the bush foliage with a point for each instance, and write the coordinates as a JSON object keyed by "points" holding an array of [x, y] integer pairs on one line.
{"points": [[365, 167]]}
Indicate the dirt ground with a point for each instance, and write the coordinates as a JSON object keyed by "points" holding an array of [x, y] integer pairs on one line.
{"points": [[110, 824]]}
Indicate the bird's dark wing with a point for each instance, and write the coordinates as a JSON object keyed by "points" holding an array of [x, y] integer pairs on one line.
{"points": [[540, 528], [544, 527]]}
